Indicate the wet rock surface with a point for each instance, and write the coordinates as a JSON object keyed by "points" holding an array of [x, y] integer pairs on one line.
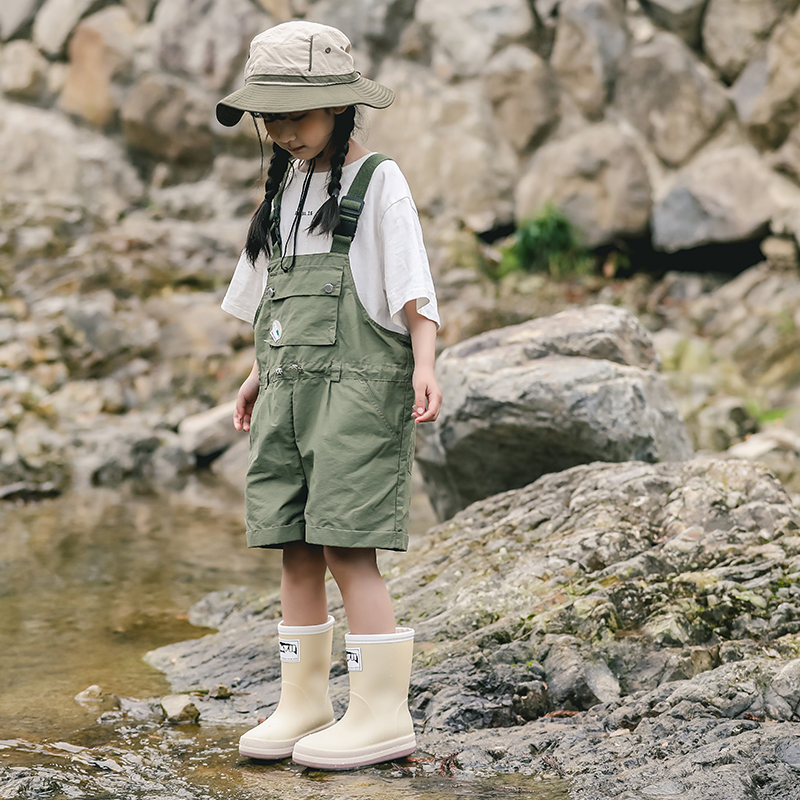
{"points": [[627, 625]]}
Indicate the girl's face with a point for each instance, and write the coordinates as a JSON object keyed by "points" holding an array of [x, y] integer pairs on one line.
{"points": [[305, 134]]}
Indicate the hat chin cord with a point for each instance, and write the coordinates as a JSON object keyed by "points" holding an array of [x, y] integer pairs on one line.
{"points": [[294, 231]]}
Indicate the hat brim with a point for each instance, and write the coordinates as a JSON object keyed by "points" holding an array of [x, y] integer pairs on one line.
{"points": [[284, 99]]}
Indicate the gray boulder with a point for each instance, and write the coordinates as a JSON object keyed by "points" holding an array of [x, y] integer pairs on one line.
{"points": [[733, 31], [524, 95], [206, 41], [724, 195], [44, 155], [169, 119], [55, 22], [671, 97], [210, 432], [543, 396], [465, 35], [454, 127], [598, 180], [777, 110], [590, 39], [22, 69], [15, 16]]}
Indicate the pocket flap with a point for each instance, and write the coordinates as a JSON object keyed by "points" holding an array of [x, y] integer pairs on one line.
{"points": [[307, 281]]}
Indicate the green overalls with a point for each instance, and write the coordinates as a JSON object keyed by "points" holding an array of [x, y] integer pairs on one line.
{"points": [[331, 434]]}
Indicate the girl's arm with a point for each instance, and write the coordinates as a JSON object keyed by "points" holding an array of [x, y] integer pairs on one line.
{"points": [[427, 395], [246, 399]]}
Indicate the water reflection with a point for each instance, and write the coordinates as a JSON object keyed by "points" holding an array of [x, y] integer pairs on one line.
{"points": [[88, 584]]}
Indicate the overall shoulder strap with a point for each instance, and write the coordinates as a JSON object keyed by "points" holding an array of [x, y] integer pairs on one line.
{"points": [[352, 203]]}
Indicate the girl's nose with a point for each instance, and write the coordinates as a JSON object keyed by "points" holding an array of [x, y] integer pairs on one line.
{"points": [[281, 132]]}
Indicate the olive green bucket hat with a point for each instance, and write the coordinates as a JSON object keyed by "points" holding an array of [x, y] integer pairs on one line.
{"points": [[298, 66]]}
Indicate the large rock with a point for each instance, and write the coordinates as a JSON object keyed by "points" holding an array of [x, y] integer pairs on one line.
{"points": [[22, 69], [208, 433], [15, 16], [682, 17], [374, 24], [590, 39], [453, 128], [750, 86], [543, 396], [778, 449], [725, 195], [524, 95], [100, 52], [465, 35], [109, 451], [733, 31], [44, 156], [777, 110], [170, 119], [671, 97], [55, 22], [539, 600], [96, 332], [206, 40], [596, 177]]}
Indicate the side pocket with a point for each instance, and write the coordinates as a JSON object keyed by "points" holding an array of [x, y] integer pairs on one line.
{"points": [[385, 396]]}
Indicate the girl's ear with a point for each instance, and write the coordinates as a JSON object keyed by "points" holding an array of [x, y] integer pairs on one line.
{"points": [[339, 109]]}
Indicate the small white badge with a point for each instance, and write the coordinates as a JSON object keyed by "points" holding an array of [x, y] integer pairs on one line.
{"points": [[290, 649], [354, 659], [275, 330]]}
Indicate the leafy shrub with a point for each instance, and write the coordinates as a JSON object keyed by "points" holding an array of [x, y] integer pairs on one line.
{"points": [[548, 243]]}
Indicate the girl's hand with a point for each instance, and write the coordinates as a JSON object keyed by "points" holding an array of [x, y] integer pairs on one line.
{"points": [[427, 395], [245, 401]]}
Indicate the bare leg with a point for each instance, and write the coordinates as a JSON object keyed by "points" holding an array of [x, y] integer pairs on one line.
{"points": [[303, 599], [366, 599]]}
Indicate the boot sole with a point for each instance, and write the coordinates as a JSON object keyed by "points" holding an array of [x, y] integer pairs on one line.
{"points": [[360, 757], [275, 751]]}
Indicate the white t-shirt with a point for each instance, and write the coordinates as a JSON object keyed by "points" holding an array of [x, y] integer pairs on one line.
{"points": [[387, 257]]}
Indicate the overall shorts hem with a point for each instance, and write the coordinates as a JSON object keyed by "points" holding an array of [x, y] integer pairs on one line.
{"points": [[336, 537], [276, 535]]}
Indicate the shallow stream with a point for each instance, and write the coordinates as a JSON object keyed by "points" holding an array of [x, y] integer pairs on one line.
{"points": [[88, 584]]}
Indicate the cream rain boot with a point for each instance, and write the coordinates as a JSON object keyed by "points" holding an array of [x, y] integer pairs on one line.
{"points": [[377, 726], [305, 706]]}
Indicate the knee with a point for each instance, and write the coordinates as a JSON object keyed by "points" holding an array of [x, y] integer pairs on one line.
{"points": [[302, 563], [348, 564]]}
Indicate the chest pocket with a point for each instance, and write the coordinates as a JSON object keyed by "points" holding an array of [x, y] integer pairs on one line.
{"points": [[301, 306]]}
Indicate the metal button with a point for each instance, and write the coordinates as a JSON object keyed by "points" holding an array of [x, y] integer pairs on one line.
{"points": [[296, 367], [278, 371], [328, 287], [270, 292]]}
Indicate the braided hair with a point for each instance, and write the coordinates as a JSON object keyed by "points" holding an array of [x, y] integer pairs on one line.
{"points": [[327, 217], [258, 235]]}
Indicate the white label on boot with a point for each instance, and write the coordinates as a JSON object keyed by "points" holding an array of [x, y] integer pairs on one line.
{"points": [[290, 649], [354, 659]]}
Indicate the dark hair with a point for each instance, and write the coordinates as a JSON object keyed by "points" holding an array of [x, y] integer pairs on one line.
{"points": [[327, 217]]}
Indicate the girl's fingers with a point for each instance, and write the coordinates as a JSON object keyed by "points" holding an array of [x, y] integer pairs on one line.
{"points": [[431, 413]]}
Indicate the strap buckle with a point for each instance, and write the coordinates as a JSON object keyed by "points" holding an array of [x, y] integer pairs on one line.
{"points": [[349, 211]]}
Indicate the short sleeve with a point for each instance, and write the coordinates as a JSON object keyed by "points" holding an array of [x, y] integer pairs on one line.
{"points": [[246, 288], [407, 274]]}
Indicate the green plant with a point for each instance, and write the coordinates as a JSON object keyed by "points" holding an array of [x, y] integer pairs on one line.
{"points": [[548, 243], [763, 415]]}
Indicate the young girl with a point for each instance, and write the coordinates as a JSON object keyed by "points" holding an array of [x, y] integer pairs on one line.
{"points": [[345, 321]]}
